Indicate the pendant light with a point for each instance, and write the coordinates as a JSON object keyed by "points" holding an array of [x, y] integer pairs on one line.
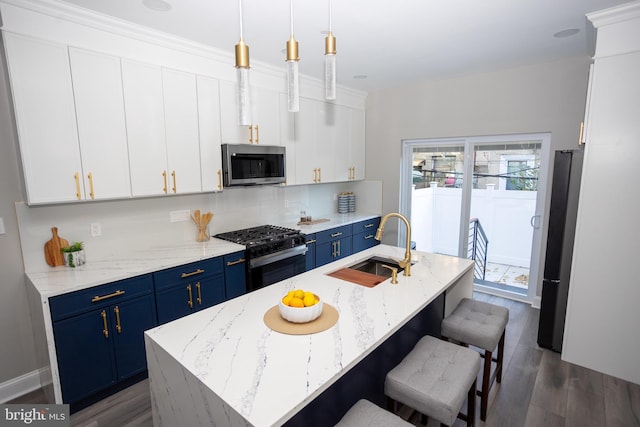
{"points": [[330, 63], [293, 79], [242, 66]]}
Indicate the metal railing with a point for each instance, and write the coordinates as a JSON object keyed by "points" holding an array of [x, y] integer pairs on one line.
{"points": [[477, 248]]}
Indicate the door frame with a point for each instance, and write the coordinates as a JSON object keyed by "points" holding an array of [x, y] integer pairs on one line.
{"points": [[544, 138]]}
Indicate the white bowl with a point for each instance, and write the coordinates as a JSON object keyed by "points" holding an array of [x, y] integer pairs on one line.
{"points": [[301, 314]]}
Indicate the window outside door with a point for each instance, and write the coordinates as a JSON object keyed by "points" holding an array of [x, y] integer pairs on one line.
{"points": [[497, 181]]}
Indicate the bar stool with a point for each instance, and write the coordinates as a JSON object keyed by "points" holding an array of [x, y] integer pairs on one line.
{"points": [[482, 325], [367, 414], [434, 379]]}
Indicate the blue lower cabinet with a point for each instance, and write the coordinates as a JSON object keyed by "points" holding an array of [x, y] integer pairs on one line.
{"points": [[99, 341], [310, 257], [364, 241], [332, 251], [235, 277], [182, 299], [188, 288]]}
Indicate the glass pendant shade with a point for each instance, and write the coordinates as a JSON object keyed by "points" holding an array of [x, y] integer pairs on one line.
{"points": [[243, 96], [293, 86]]}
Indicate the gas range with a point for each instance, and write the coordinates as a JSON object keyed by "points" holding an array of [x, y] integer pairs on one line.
{"points": [[265, 239], [273, 253]]}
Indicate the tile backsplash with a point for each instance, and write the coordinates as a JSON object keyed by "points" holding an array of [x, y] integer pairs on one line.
{"points": [[139, 223]]}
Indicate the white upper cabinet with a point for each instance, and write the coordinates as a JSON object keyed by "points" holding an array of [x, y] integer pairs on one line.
{"points": [[45, 116], [145, 128], [209, 124], [264, 116], [182, 133], [97, 86], [325, 141]]}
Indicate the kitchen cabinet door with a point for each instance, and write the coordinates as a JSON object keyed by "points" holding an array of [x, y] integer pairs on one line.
{"points": [[356, 143], [97, 86], [210, 141], [182, 132], [142, 88], [310, 257], [312, 142], [208, 292], [332, 251], [42, 93], [235, 275], [85, 354], [174, 303], [264, 117], [129, 320]]}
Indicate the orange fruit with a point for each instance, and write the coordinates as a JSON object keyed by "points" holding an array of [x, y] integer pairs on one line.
{"points": [[296, 302]]}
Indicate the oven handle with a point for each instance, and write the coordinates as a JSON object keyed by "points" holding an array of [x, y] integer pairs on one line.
{"points": [[278, 256]]}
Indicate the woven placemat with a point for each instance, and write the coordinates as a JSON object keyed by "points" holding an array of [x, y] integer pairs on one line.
{"points": [[327, 319]]}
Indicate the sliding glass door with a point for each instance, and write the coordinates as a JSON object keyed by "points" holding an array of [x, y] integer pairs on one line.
{"points": [[480, 198]]}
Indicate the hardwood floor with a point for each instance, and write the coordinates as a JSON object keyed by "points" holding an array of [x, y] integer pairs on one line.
{"points": [[537, 389]]}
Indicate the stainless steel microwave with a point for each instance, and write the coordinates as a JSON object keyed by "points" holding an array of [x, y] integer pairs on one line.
{"points": [[247, 164]]}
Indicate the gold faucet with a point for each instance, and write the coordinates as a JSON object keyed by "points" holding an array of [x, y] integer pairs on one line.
{"points": [[406, 262]]}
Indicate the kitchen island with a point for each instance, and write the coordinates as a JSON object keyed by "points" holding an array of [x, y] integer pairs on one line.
{"points": [[223, 366]]}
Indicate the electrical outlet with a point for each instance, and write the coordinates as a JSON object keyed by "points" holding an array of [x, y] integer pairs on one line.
{"points": [[96, 229], [2, 231], [335, 196], [179, 216]]}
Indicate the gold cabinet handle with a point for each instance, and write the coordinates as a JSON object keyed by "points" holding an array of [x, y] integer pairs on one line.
{"points": [[199, 299], [103, 297], [370, 236], [193, 273], [173, 175], [77, 178], [90, 176], [581, 133], [238, 261], [257, 135], [369, 225], [164, 178], [219, 179], [336, 234], [105, 329], [116, 310], [319, 174], [251, 134], [190, 302], [311, 241], [338, 242], [315, 174]]}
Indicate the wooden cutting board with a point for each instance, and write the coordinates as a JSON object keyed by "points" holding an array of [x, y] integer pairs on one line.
{"points": [[52, 249], [360, 277]]}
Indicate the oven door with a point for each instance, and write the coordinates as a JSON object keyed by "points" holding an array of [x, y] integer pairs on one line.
{"points": [[272, 268]]}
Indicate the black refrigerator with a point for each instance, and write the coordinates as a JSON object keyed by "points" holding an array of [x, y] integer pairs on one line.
{"points": [[565, 189]]}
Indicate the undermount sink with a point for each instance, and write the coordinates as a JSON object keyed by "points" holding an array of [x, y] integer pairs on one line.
{"points": [[374, 265], [369, 272]]}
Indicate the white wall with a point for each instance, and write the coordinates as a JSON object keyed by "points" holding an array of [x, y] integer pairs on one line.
{"points": [[547, 97]]}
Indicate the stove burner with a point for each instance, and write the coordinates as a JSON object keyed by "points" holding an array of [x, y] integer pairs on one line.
{"points": [[264, 239]]}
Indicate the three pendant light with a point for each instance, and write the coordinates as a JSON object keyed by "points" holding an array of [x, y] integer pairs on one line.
{"points": [[293, 77]]}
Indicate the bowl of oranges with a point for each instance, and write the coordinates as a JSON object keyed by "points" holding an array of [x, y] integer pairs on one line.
{"points": [[300, 306]]}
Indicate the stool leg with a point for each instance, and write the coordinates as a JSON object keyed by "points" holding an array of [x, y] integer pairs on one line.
{"points": [[486, 379], [471, 405], [500, 357]]}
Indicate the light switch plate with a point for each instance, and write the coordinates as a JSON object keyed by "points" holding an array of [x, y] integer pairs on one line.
{"points": [[179, 216], [2, 226]]}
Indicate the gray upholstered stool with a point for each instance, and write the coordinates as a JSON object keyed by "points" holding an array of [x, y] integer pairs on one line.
{"points": [[434, 379], [482, 325], [367, 414]]}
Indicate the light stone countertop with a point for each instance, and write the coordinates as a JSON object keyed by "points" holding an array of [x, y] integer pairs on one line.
{"points": [[122, 265], [223, 366], [59, 280]]}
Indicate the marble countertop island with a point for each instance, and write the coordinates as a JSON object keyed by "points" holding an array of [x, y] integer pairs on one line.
{"points": [[223, 366]]}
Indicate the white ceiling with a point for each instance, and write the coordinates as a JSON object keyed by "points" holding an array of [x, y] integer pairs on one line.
{"points": [[392, 43]]}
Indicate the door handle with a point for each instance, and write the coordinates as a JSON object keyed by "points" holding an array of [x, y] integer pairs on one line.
{"points": [[533, 222]]}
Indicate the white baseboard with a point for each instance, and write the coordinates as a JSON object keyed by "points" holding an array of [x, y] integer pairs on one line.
{"points": [[19, 386]]}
